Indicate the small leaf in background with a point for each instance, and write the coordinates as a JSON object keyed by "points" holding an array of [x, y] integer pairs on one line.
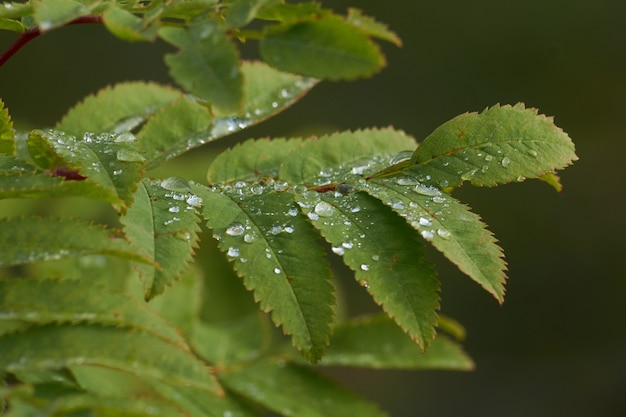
{"points": [[371, 27], [51, 347], [119, 108], [111, 162], [281, 387], [449, 225], [53, 13], [7, 135], [327, 47], [377, 342], [242, 12], [68, 301], [15, 10], [207, 64], [385, 253], [283, 12], [35, 239], [127, 26], [251, 159], [12, 25], [163, 224], [502, 144], [277, 254]]}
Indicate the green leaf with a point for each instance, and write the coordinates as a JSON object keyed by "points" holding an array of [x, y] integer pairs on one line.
{"points": [[15, 10], [35, 239], [385, 253], [281, 387], [163, 224], [230, 343], [187, 9], [371, 27], [283, 12], [111, 162], [43, 348], [207, 64], [117, 109], [127, 26], [176, 128], [251, 159], [327, 47], [69, 301], [7, 134], [276, 253], [377, 342], [499, 145], [54, 13], [344, 156], [10, 24], [449, 225], [242, 12]]}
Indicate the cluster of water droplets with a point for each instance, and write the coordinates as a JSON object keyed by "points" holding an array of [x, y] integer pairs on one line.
{"points": [[180, 200]]}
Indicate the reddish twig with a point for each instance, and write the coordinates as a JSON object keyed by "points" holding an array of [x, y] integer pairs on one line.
{"points": [[31, 34]]}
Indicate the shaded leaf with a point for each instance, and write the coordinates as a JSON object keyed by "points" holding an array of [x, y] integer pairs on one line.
{"points": [[42, 348], [371, 27], [14, 10], [12, 25], [35, 239], [281, 387], [163, 224], [53, 13], [207, 64], [293, 12], [327, 47], [449, 225], [385, 253], [7, 135], [127, 26], [377, 342], [499, 145], [344, 156], [251, 159], [260, 230], [117, 109], [111, 162], [241, 12], [68, 301], [188, 9]]}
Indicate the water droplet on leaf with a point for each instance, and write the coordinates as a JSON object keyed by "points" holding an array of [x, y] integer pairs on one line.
{"points": [[233, 252], [175, 184], [505, 162], [323, 209], [235, 229]]}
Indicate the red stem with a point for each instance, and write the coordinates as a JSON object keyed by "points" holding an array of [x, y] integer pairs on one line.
{"points": [[31, 34]]}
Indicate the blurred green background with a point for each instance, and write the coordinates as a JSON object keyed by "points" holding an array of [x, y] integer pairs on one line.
{"points": [[557, 346]]}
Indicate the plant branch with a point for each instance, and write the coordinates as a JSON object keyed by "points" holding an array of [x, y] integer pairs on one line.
{"points": [[31, 34]]}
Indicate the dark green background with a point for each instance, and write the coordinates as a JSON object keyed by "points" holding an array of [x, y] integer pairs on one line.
{"points": [[557, 347]]}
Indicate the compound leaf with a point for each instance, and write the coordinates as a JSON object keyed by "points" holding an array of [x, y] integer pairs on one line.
{"points": [[68, 301], [163, 224], [99, 160], [280, 386], [276, 253], [384, 252], [499, 145], [327, 47], [377, 342], [51, 347], [448, 225], [120, 108], [35, 239], [207, 64], [127, 26]]}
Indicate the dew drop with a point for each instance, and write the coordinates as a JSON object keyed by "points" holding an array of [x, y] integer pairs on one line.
{"points": [[235, 229], [174, 209], [355, 209], [375, 257], [293, 212], [323, 209], [365, 283], [488, 158], [125, 137], [281, 186], [365, 267], [117, 172], [423, 221], [127, 155], [438, 199], [444, 234], [289, 229], [427, 234], [396, 203], [426, 190], [505, 162], [233, 252], [194, 201], [175, 184], [533, 153], [406, 180], [347, 245], [277, 271], [248, 238], [338, 250]]}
